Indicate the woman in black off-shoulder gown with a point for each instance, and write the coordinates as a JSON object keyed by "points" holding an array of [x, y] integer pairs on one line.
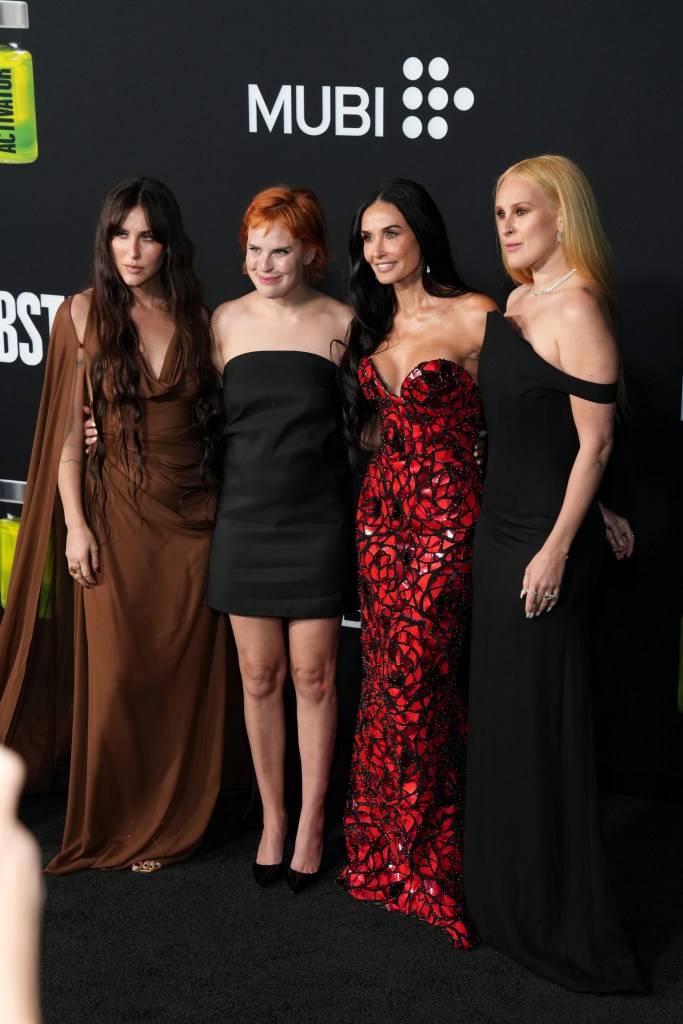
{"points": [[536, 880]]}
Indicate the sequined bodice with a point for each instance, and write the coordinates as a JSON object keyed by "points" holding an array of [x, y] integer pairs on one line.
{"points": [[428, 433]]}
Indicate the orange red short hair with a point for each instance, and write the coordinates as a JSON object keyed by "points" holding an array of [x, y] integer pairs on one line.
{"points": [[298, 210]]}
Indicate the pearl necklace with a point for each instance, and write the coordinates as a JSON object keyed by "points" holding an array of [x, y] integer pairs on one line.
{"points": [[552, 287]]}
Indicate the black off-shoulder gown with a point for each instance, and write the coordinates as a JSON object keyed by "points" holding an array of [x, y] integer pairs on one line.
{"points": [[536, 881]]}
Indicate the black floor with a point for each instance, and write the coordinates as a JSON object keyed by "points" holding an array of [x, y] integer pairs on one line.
{"points": [[200, 942]]}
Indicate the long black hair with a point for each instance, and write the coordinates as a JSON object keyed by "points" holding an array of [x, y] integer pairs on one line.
{"points": [[115, 370], [374, 304]]}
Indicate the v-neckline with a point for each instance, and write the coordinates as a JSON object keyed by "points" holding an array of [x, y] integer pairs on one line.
{"points": [[163, 372]]}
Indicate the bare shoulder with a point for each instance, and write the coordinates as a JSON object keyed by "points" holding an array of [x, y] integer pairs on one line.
{"points": [[582, 306], [585, 336], [339, 313], [80, 307], [477, 308], [478, 304], [228, 312], [469, 313]]}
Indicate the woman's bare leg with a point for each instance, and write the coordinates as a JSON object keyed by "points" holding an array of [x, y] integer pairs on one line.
{"points": [[263, 665], [313, 658]]}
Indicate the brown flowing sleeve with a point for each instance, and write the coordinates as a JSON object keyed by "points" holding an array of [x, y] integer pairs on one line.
{"points": [[44, 610]]}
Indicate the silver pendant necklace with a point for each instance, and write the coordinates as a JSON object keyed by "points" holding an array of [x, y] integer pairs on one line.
{"points": [[552, 287]]}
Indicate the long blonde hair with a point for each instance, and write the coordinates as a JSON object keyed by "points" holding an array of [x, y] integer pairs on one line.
{"points": [[586, 247]]}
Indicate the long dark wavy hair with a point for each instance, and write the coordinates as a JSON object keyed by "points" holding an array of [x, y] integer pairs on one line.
{"points": [[115, 372], [374, 304]]}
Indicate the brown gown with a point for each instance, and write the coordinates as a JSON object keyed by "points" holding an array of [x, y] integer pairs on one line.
{"points": [[148, 658]]}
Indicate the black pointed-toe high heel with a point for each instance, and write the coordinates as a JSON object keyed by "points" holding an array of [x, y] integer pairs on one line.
{"points": [[266, 874], [300, 880]]}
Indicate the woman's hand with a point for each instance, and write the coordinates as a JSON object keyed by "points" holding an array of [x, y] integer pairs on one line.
{"points": [[90, 430], [542, 581], [620, 536], [82, 555], [480, 448]]}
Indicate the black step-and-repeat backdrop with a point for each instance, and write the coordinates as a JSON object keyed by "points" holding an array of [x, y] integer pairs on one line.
{"points": [[221, 100]]}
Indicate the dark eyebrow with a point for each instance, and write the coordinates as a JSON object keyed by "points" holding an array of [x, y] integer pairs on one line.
{"points": [[387, 227]]}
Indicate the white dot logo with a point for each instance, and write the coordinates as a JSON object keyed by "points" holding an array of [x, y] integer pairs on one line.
{"points": [[437, 97], [437, 127], [463, 98], [438, 69], [412, 98], [412, 127], [412, 69]]}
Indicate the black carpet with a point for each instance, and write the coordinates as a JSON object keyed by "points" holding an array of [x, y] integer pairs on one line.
{"points": [[200, 942]]}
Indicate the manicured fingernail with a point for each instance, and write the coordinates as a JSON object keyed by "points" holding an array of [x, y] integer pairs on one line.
{"points": [[537, 614], [529, 615], [522, 593]]}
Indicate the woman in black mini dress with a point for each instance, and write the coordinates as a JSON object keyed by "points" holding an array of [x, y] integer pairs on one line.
{"points": [[283, 540]]}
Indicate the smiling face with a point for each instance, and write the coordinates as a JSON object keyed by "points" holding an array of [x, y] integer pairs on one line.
{"points": [[527, 224], [137, 255], [389, 245], [275, 261]]}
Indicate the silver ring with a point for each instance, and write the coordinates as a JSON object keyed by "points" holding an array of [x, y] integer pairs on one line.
{"points": [[533, 593]]}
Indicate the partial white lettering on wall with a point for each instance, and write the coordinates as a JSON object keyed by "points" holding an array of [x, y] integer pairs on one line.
{"points": [[23, 328]]}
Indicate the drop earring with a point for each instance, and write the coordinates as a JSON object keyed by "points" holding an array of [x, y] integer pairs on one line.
{"points": [[560, 238]]}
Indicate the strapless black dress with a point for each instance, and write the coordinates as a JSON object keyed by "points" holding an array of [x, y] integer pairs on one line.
{"points": [[283, 538]]}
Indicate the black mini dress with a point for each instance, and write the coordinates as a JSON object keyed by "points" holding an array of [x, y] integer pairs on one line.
{"points": [[283, 537]]}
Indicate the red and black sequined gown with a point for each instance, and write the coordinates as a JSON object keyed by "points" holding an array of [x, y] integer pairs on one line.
{"points": [[415, 524]]}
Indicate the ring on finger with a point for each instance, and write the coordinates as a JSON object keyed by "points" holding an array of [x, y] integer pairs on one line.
{"points": [[549, 597], [74, 569]]}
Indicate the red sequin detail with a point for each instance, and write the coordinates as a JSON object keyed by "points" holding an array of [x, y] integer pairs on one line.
{"points": [[415, 525]]}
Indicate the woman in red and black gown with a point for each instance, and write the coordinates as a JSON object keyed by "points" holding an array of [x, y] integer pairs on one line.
{"points": [[409, 377]]}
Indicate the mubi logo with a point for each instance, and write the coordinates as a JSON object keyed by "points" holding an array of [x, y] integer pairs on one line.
{"points": [[438, 97], [352, 110], [353, 114]]}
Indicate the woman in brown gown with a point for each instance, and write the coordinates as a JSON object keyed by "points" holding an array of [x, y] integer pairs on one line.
{"points": [[148, 656]]}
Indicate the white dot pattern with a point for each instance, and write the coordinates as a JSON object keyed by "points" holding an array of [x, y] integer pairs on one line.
{"points": [[437, 97]]}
